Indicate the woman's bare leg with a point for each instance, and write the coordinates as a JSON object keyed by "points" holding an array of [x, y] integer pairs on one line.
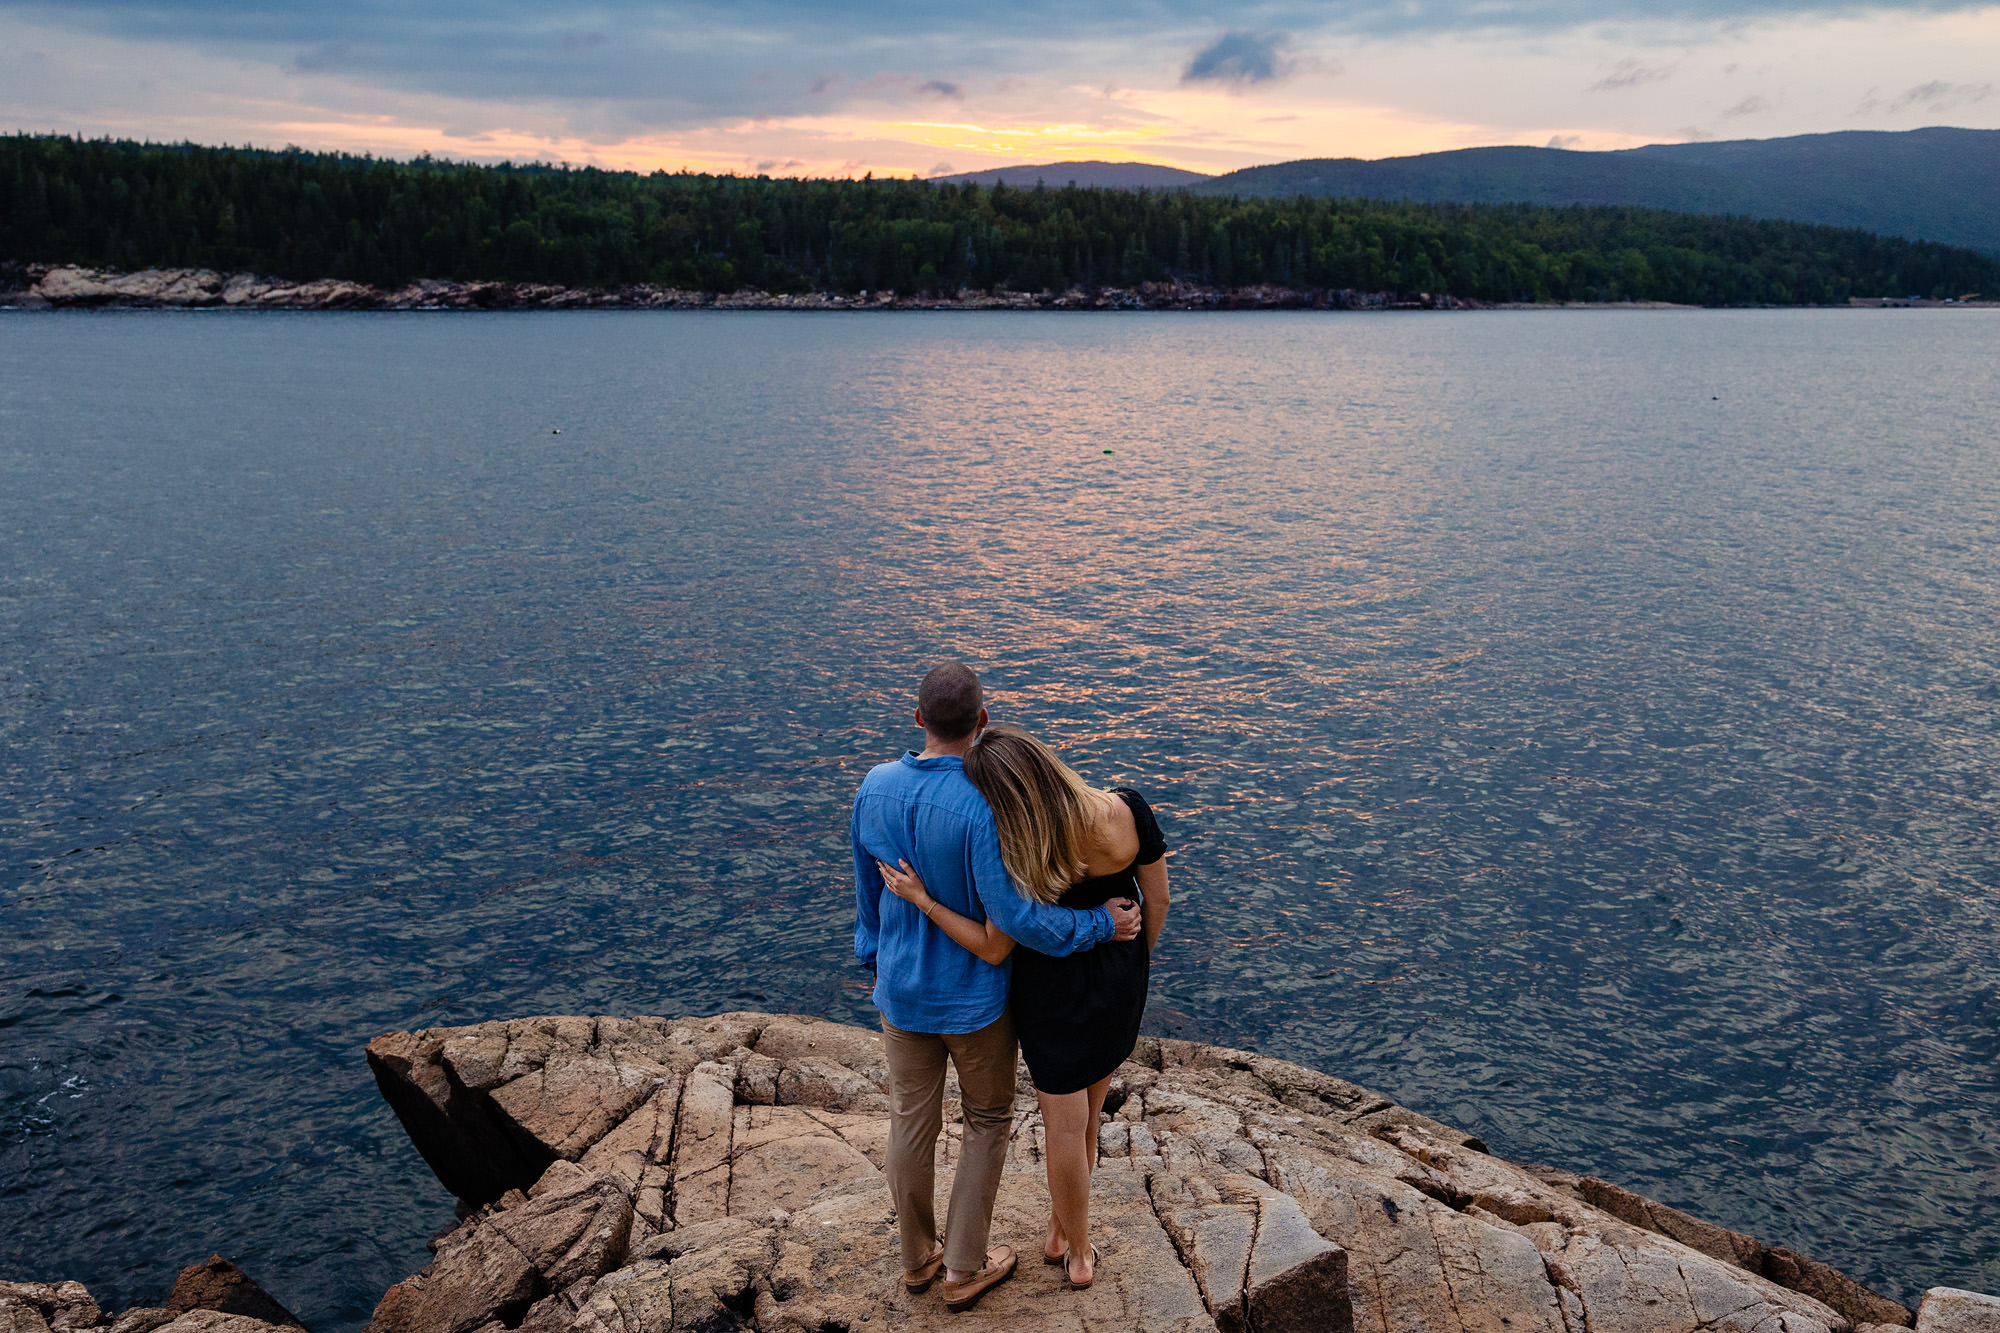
{"points": [[1057, 1244], [1097, 1092], [1066, 1141]]}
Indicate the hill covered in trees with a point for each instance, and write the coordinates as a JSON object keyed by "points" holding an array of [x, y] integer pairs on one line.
{"points": [[1936, 184], [1089, 174], [309, 215]]}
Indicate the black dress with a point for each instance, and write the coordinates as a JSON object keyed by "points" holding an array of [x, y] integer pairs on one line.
{"points": [[1078, 1017]]}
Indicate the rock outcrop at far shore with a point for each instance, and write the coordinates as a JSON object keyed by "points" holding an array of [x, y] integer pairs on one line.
{"points": [[642, 1175], [68, 287]]}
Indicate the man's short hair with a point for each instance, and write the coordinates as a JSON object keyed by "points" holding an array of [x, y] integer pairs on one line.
{"points": [[950, 700]]}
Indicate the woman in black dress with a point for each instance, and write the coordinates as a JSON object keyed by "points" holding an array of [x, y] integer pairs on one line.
{"points": [[1068, 843]]}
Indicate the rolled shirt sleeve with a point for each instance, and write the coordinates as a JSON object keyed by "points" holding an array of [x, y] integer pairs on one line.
{"points": [[868, 889], [1055, 931]]}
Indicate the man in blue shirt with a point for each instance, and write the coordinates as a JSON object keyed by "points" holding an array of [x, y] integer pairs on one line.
{"points": [[938, 1001]]}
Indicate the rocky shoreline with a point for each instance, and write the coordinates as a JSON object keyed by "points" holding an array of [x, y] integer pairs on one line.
{"points": [[63, 287], [643, 1175], [67, 287]]}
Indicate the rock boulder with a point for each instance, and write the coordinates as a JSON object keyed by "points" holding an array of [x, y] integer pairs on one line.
{"points": [[222, 1287], [211, 1297], [1949, 1310]]}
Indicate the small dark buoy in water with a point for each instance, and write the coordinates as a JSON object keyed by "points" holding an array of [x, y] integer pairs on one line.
{"points": [[555, 430], [1715, 398], [1107, 451]]}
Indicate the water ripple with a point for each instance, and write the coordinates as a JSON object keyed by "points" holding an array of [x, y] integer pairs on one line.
{"points": [[1582, 728]]}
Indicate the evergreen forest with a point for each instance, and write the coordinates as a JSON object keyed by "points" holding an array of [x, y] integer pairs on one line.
{"points": [[304, 215]]}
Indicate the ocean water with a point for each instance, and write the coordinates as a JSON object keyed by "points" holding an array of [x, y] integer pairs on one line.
{"points": [[1581, 727]]}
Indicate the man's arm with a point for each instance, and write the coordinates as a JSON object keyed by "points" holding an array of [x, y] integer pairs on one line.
{"points": [[1055, 931], [867, 894]]}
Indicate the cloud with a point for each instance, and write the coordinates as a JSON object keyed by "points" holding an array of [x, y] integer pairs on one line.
{"points": [[1749, 106], [325, 57], [653, 64], [889, 85], [1404, 17], [1239, 58], [618, 72], [1939, 96], [460, 32], [1630, 74]]}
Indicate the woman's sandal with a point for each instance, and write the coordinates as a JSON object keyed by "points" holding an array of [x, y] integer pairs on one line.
{"points": [[1073, 1284]]}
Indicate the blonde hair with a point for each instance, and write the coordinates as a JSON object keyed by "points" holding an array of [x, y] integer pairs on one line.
{"points": [[1041, 807]]}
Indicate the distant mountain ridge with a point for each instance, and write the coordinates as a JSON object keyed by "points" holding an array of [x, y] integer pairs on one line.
{"points": [[1938, 184], [1083, 175]]}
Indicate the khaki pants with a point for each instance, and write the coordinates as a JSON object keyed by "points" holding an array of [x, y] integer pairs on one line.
{"points": [[985, 1062]]}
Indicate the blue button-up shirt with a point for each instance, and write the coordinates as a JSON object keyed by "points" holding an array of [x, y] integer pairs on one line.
{"points": [[927, 812]]}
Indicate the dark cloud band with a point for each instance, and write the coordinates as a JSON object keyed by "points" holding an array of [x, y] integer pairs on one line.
{"points": [[660, 63]]}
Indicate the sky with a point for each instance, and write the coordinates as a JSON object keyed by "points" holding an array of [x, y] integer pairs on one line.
{"points": [[813, 87]]}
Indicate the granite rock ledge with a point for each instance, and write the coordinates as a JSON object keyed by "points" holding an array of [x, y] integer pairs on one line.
{"points": [[648, 1175], [632, 1175]]}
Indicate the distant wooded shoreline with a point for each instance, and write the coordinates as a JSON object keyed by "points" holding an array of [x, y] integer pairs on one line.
{"points": [[309, 219]]}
